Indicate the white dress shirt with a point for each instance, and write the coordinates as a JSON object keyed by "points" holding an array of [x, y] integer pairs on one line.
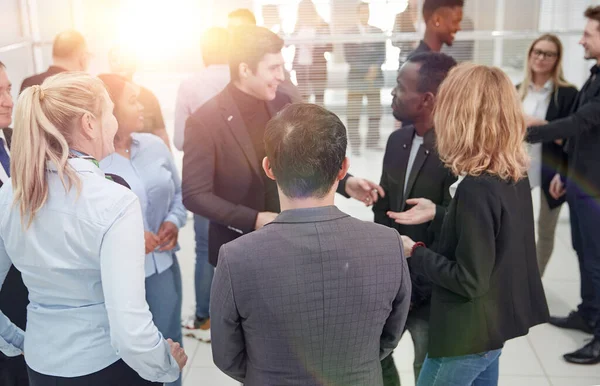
{"points": [[536, 105], [82, 260], [414, 150], [305, 50]]}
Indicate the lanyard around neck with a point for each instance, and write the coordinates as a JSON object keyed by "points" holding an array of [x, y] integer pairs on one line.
{"points": [[77, 154]]}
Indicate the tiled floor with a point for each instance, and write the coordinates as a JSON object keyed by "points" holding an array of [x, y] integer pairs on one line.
{"points": [[534, 360]]}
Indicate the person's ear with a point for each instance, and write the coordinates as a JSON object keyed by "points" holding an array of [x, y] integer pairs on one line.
{"points": [[344, 169], [87, 126], [266, 164]]}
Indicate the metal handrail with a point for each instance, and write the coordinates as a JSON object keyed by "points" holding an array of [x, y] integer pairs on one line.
{"points": [[352, 38]]}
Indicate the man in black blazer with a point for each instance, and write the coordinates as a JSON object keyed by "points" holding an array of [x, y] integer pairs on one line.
{"points": [[223, 148], [13, 293], [412, 169], [554, 159], [69, 53], [582, 130]]}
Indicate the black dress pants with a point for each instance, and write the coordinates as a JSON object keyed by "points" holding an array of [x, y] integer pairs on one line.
{"points": [[13, 371], [13, 303], [117, 374]]}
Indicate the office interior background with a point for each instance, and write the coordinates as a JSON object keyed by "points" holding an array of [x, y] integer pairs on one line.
{"points": [[164, 36]]}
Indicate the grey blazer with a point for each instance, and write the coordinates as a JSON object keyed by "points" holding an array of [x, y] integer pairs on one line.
{"points": [[314, 298]]}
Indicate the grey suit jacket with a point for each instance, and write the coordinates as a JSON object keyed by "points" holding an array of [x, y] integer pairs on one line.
{"points": [[314, 298]]}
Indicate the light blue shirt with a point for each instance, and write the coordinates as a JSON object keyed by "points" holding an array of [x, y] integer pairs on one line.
{"points": [[82, 260], [152, 175]]}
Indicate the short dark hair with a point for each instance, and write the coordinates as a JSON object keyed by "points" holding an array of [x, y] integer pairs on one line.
{"points": [[67, 43], [430, 6], [243, 13], [249, 44], [215, 46], [593, 13], [434, 69], [306, 146]]}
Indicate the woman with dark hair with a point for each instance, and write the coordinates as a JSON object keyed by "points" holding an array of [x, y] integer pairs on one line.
{"points": [[309, 61], [145, 162]]}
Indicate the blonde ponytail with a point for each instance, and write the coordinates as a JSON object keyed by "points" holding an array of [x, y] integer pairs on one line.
{"points": [[45, 118]]}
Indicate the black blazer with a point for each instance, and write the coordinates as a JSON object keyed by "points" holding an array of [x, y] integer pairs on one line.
{"points": [[554, 157], [222, 179], [429, 178], [486, 283], [582, 130], [38, 79]]}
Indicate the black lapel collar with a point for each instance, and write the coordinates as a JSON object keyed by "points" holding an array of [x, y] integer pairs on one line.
{"points": [[235, 122], [422, 155]]}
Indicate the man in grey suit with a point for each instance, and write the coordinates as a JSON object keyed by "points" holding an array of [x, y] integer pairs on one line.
{"points": [[316, 297]]}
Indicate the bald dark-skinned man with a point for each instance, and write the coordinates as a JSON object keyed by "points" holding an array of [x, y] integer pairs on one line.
{"points": [[69, 53]]}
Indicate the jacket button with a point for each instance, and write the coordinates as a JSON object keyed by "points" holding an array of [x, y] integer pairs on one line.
{"points": [[404, 146], [427, 152]]}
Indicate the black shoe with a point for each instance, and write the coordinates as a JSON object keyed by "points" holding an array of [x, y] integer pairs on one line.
{"points": [[588, 355], [573, 322]]}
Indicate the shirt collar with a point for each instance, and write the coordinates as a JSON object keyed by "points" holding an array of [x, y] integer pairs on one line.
{"points": [[308, 215], [81, 165], [454, 186], [548, 86]]}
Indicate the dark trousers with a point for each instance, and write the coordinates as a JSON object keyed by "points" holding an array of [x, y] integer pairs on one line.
{"points": [[13, 371], [418, 326], [309, 82], [585, 222], [354, 111], [13, 303], [389, 372], [117, 374]]}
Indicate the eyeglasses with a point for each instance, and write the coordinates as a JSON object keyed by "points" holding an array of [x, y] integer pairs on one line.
{"points": [[544, 54]]}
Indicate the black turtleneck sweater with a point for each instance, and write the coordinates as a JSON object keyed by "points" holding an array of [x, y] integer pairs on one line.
{"points": [[255, 115]]}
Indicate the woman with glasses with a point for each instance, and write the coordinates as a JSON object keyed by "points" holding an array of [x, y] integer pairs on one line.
{"points": [[546, 95]]}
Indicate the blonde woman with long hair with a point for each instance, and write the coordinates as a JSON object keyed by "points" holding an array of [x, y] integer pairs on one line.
{"points": [[486, 284], [77, 238], [545, 94]]}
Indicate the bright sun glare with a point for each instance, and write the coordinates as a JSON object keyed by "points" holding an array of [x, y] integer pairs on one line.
{"points": [[152, 31]]}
